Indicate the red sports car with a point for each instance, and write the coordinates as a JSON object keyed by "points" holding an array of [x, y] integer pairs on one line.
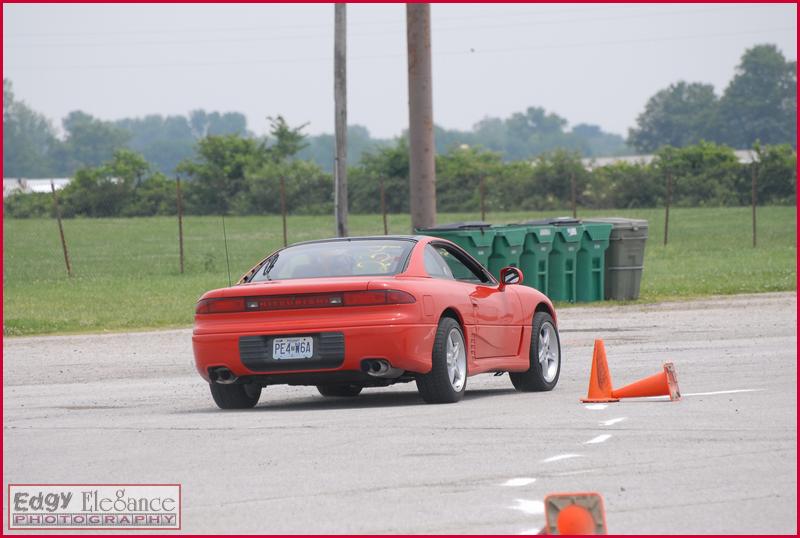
{"points": [[344, 314]]}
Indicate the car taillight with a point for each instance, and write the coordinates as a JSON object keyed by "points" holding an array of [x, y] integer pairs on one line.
{"points": [[364, 298], [399, 297], [293, 302], [220, 306]]}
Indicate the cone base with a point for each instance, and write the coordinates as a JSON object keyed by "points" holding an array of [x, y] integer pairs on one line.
{"points": [[599, 400]]}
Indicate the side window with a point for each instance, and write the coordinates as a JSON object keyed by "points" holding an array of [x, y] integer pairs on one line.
{"points": [[435, 266], [459, 269]]}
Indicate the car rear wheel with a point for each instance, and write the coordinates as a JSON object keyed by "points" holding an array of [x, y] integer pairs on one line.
{"points": [[447, 380], [236, 396], [341, 391], [545, 357]]}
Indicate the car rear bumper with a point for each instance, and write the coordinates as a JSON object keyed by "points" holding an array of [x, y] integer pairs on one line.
{"points": [[407, 347]]}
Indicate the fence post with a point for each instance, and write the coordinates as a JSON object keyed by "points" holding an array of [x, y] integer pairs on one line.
{"points": [[383, 208], [483, 198], [669, 201], [179, 201], [754, 196], [283, 208], [574, 202], [60, 228]]}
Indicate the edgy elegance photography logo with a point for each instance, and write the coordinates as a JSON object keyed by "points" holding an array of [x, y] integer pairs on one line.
{"points": [[94, 506]]}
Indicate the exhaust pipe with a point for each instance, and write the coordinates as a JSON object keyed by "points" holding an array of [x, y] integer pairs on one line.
{"points": [[380, 368], [223, 376]]}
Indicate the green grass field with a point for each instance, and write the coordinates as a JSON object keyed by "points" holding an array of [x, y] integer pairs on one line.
{"points": [[126, 270]]}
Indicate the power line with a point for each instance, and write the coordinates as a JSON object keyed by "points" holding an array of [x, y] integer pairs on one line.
{"points": [[397, 22], [628, 41], [388, 56], [326, 35]]}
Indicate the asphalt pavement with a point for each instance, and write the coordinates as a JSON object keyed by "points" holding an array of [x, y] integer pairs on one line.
{"points": [[120, 408]]}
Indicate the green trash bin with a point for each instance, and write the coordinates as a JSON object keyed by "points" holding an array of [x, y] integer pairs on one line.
{"points": [[507, 247], [563, 259], [624, 258], [474, 237], [534, 258], [591, 261]]}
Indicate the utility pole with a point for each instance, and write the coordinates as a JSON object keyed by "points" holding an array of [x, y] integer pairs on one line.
{"points": [[422, 168], [340, 105]]}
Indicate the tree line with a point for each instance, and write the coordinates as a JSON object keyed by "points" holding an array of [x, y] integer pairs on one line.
{"points": [[526, 161], [759, 104], [238, 175], [31, 148]]}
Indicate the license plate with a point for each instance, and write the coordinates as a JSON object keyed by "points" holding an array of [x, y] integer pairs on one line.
{"points": [[293, 348]]}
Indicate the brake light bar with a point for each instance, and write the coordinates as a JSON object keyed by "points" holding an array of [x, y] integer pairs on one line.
{"points": [[227, 305], [285, 302]]}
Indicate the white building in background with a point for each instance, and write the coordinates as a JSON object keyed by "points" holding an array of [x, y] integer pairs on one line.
{"points": [[12, 185], [745, 156]]}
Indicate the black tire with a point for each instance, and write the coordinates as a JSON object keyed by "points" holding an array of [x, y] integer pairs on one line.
{"points": [[535, 379], [435, 386], [339, 391], [237, 396]]}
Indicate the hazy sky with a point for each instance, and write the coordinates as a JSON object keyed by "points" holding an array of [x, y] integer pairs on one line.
{"points": [[590, 63]]}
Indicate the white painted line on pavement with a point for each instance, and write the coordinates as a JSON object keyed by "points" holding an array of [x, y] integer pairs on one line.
{"points": [[720, 392], [571, 473], [595, 407], [517, 482], [534, 508], [561, 457], [612, 421], [532, 531], [665, 398], [599, 439]]}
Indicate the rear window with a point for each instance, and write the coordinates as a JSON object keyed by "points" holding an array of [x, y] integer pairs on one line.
{"points": [[357, 257]]}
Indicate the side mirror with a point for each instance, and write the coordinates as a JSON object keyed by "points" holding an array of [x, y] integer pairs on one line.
{"points": [[510, 275]]}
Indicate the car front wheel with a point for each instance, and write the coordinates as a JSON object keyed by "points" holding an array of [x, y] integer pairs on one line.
{"points": [[545, 357]]}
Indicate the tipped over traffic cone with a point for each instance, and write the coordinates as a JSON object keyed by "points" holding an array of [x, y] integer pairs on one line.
{"points": [[664, 383], [574, 514], [600, 379]]}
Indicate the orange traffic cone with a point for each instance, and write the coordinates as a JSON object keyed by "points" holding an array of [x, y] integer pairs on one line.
{"points": [[574, 514], [600, 379], [661, 384]]}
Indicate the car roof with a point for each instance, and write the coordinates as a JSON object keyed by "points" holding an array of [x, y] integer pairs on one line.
{"points": [[414, 238]]}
